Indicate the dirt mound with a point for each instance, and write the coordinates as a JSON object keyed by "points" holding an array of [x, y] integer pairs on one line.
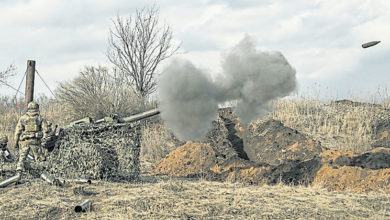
{"points": [[277, 154], [191, 159], [378, 158], [336, 156], [327, 168], [273, 143], [250, 175], [353, 103], [291, 173], [224, 135], [353, 178], [222, 145], [294, 172]]}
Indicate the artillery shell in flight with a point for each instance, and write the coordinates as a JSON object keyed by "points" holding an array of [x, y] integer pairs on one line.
{"points": [[370, 44]]}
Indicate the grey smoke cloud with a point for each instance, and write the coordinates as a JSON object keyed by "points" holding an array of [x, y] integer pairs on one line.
{"points": [[189, 98]]}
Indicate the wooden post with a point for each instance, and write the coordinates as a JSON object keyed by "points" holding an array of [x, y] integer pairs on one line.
{"points": [[30, 76]]}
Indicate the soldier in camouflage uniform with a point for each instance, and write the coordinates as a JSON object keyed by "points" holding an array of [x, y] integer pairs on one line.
{"points": [[3, 146], [28, 134]]}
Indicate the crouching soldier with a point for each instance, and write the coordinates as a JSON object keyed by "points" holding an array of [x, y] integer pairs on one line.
{"points": [[28, 134], [48, 140], [5, 155]]}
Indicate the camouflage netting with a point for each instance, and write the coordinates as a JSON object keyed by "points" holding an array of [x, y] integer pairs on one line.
{"points": [[97, 151]]}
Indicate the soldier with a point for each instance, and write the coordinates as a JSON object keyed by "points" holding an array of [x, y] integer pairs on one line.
{"points": [[48, 140], [3, 147], [28, 134]]}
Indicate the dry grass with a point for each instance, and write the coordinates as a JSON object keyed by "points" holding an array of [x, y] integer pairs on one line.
{"points": [[157, 141], [189, 199], [336, 126]]}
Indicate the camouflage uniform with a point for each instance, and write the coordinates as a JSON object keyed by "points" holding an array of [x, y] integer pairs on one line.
{"points": [[47, 140], [28, 134], [3, 147]]}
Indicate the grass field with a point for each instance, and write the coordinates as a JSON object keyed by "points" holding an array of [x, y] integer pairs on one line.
{"points": [[168, 198]]}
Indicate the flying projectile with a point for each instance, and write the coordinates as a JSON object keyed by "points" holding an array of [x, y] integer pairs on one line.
{"points": [[370, 44]]}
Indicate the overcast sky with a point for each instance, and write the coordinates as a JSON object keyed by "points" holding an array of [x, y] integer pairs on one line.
{"points": [[320, 39]]}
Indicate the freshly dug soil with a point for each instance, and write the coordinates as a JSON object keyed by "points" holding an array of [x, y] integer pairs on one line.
{"points": [[188, 160], [273, 143], [377, 158], [353, 178], [277, 154], [224, 136]]}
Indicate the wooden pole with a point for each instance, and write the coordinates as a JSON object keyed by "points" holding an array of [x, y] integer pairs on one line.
{"points": [[30, 77]]}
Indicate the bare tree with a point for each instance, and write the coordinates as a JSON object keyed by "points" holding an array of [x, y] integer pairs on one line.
{"points": [[137, 45], [4, 75], [97, 93]]}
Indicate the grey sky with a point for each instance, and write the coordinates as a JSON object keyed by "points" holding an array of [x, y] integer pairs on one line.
{"points": [[320, 39]]}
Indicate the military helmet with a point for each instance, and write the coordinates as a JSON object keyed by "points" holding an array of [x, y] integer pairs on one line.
{"points": [[33, 106]]}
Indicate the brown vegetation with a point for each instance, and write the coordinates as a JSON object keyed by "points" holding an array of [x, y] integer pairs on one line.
{"points": [[189, 199]]}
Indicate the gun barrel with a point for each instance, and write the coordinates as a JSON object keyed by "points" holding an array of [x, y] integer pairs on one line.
{"points": [[140, 116]]}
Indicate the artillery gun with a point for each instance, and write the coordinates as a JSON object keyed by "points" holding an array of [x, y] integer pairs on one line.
{"points": [[116, 119], [107, 148]]}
